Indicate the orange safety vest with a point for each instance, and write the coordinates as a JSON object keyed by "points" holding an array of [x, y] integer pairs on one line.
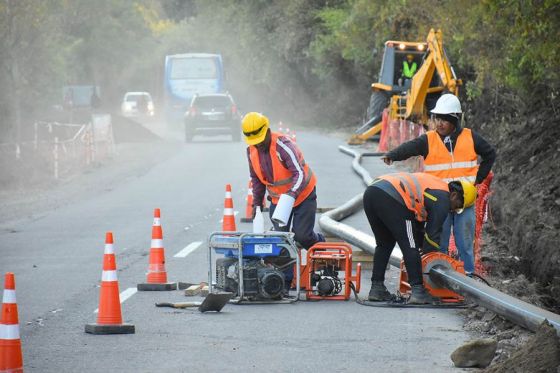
{"points": [[461, 164], [282, 176], [412, 186]]}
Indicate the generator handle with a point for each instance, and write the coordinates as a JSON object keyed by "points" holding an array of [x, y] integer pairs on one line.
{"points": [[358, 277]]}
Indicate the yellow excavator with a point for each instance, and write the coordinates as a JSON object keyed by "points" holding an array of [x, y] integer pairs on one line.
{"points": [[409, 99]]}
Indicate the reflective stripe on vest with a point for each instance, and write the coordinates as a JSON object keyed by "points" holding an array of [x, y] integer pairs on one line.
{"points": [[411, 188], [462, 164], [282, 176]]}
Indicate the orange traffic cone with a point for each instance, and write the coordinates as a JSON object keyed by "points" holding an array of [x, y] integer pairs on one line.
{"points": [[249, 208], [228, 224], [156, 278], [10, 344], [109, 317]]}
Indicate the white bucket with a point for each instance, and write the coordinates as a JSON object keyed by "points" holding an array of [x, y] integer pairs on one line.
{"points": [[283, 210]]}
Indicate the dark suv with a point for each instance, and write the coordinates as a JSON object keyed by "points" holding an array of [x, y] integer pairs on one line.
{"points": [[212, 114]]}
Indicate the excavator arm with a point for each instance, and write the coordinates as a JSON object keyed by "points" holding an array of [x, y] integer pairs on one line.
{"points": [[435, 60]]}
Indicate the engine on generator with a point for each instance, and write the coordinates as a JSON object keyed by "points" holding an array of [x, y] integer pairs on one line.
{"points": [[327, 281], [328, 272], [261, 280]]}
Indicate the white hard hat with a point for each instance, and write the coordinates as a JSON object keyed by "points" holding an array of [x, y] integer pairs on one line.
{"points": [[447, 104]]}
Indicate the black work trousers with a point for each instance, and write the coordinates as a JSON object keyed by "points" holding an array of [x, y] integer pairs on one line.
{"points": [[302, 222], [391, 222]]}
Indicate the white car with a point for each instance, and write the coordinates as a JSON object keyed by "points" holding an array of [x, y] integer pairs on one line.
{"points": [[137, 104]]}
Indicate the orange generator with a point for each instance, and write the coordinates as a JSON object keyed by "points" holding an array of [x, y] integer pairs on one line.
{"points": [[430, 260], [325, 261]]}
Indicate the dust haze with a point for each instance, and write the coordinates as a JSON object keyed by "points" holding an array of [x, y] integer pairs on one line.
{"points": [[67, 61]]}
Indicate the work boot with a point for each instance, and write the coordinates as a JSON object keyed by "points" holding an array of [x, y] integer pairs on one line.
{"points": [[378, 292], [420, 296]]}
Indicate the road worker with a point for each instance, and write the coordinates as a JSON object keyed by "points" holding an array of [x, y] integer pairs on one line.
{"points": [[450, 152], [276, 165], [409, 68], [410, 209]]}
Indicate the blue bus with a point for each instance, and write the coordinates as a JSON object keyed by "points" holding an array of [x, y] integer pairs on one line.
{"points": [[186, 75]]}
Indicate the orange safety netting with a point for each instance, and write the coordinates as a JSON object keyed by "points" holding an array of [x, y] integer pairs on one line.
{"points": [[481, 213], [396, 131]]}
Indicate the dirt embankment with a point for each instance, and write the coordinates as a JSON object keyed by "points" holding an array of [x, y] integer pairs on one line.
{"points": [[524, 230]]}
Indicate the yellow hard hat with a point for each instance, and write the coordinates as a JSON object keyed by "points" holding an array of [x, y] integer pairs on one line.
{"points": [[255, 126], [410, 56], [469, 193]]}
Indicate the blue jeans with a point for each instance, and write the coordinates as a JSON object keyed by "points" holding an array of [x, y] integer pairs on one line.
{"points": [[463, 231]]}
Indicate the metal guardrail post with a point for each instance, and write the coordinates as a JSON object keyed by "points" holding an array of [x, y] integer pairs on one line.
{"points": [[55, 158]]}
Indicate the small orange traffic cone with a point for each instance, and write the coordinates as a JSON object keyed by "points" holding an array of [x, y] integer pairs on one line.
{"points": [[109, 317], [156, 279], [11, 359], [228, 224], [249, 208]]}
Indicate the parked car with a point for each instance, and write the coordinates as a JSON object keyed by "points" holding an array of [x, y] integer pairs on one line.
{"points": [[212, 114], [137, 104]]}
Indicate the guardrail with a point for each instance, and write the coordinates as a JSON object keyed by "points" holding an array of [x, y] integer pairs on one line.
{"points": [[57, 149], [515, 310]]}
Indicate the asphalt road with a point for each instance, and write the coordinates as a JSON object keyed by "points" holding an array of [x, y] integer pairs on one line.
{"points": [[54, 244]]}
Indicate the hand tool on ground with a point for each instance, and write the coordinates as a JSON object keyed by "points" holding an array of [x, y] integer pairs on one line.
{"points": [[213, 302]]}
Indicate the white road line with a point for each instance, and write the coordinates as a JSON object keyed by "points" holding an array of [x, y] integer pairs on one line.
{"points": [[188, 249], [123, 296]]}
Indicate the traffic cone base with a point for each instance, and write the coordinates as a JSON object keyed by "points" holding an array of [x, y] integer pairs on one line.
{"points": [[110, 329], [157, 287], [10, 350]]}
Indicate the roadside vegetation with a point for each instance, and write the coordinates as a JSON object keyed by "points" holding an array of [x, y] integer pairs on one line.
{"points": [[311, 62]]}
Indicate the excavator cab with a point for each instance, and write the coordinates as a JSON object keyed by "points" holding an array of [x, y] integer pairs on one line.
{"points": [[395, 54], [409, 99]]}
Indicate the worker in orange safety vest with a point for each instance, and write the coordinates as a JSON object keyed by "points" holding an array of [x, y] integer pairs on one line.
{"points": [[410, 209], [276, 165], [451, 153]]}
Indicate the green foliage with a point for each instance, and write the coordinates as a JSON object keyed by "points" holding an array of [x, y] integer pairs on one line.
{"points": [[312, 60]]}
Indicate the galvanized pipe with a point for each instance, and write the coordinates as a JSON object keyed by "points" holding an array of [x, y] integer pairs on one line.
{"points": [[515, 310]]}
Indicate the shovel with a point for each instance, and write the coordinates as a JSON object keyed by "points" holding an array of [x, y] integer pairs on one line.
{"points": [[212, 302]]}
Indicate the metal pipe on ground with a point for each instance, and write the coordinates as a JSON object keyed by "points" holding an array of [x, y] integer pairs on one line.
{"points": [[515, 310]]}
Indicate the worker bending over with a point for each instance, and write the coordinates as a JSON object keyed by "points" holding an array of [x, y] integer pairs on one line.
{"points": [[276, 165], [451, 153], [410, 209]]}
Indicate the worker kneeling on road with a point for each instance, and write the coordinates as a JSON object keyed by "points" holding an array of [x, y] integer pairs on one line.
{"points": [[276, 165], [410, 209]]}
